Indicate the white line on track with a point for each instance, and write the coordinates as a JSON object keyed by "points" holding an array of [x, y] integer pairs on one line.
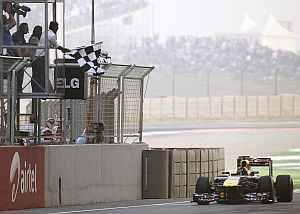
{"points": [[119, 208], [128, 207]]}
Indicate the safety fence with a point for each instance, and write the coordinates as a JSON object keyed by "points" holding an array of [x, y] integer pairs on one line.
{"points": [[283, 107]]}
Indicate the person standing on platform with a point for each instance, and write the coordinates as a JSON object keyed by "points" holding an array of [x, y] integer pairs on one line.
{"points": [[35, 38], [19, 39], [38, 65]]}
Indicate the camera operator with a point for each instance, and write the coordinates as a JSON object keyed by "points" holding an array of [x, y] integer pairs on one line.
{"points": [[20, 9]]}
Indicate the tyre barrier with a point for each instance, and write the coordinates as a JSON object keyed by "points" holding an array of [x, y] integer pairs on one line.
{"points": [[173, 172]]}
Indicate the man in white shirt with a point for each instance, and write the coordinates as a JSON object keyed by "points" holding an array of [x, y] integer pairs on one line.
{"points": [[38, 66]]}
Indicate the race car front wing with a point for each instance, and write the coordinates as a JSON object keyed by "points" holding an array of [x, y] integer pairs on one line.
{"points": [[224, 197]]}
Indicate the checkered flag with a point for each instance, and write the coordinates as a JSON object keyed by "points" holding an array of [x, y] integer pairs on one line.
{"points": [[90, 58]]}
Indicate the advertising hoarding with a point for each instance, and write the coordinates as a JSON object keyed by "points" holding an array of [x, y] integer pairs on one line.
{"points": [[22, 176]]}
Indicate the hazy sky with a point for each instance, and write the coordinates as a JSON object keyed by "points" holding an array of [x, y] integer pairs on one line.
{"points": [[218, 16]]}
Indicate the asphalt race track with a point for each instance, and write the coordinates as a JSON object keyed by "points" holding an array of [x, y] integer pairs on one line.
{"points": [[173, 207]]}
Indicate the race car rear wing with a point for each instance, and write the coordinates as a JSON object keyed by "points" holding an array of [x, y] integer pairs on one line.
{"points": [[257, 162]]}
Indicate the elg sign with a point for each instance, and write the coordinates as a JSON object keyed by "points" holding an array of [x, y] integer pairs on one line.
{"points": [[72, 84]]}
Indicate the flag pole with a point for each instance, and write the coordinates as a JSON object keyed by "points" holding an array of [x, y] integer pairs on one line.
{"points": [[93, 23], [93, 87]]}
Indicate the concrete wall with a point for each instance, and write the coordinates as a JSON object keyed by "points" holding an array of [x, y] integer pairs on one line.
{"points": [[93, 173]]}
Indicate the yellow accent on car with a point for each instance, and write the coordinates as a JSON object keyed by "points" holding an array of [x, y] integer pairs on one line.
{"points": [[222, 195], [231, 182]]}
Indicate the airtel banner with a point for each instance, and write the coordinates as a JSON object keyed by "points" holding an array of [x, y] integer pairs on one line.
{"points": [[22, 177]]}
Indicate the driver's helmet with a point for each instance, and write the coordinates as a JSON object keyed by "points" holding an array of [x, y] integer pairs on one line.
{"points": [[245, 163], [245, 168]]}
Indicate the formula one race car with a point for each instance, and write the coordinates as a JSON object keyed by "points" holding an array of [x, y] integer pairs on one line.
{"points": [[238, 188]]}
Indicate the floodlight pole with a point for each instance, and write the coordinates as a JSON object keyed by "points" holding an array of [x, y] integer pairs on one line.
{"points": [[93, 81]]}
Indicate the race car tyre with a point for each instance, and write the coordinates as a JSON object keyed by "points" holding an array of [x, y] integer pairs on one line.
{"points": [[203, 203], [266, 185], [284, 188], [202, 185]]}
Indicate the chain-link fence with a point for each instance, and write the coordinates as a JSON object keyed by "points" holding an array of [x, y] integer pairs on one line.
{"points": [[205, 83], [284, 107], [115, 101], [132, 107]]}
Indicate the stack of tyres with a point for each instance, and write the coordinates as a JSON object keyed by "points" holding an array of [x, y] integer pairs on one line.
{"points": [[194, 169], [180, 169], [205, 162], [178, 173]]}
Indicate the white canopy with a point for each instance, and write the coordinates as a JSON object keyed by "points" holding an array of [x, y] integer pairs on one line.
{"points": [[277, 37], [248, 25]]}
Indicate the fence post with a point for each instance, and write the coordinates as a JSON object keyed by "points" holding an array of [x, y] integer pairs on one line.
{"points": [[141, 111], [257, 106], [122, 109], [246, 107], [173, 93], [198, 107], [186, 108], [242, 83], [222, 106], [268, 107], [160, 108], [234, 107], [173, 107], [276, 82], [294, 107], [280, 105]]}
